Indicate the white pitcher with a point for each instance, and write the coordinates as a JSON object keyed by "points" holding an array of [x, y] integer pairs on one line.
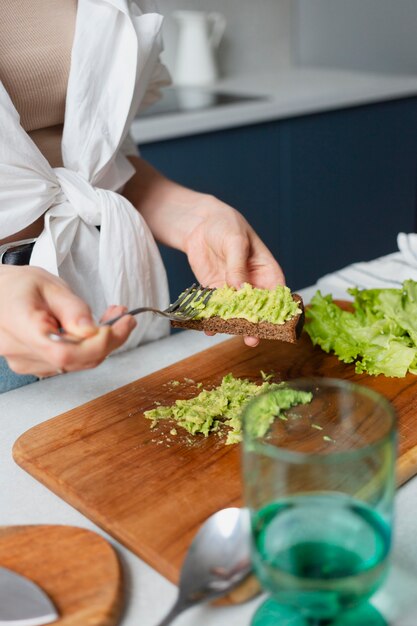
{"points": [[199, 35]]}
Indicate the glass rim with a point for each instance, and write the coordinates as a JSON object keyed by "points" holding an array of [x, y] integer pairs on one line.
{"points": [[294, 456]]}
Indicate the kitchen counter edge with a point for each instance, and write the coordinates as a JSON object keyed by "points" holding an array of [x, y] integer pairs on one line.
{"points": [[285, 93]]}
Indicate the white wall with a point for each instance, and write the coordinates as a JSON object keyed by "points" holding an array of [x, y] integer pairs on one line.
{"points": [[378, 35], [257, 34]]}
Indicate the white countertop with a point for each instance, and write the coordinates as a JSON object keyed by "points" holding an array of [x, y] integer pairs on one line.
{"points": [[290, 92], [23, 500]]}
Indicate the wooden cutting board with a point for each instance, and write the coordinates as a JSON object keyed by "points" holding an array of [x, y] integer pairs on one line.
{"points": [[152, 490], [76, 568]]}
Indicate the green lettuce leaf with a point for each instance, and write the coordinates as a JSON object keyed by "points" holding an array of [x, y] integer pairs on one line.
{"points": [[380, 335]]}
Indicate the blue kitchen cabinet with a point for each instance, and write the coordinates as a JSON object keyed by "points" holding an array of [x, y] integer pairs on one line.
{"points": [[348, 186], [322, 190], [237, 165]]}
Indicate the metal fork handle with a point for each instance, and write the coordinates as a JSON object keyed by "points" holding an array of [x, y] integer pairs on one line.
{"points": [[68, 338], [142, 309], [64, 337], [180, 310]]}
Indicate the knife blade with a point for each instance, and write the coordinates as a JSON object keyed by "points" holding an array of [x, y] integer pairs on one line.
{"points": [[22, 602]]}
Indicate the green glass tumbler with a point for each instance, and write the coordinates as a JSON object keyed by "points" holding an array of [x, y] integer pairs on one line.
{"points": [[318, 474]]}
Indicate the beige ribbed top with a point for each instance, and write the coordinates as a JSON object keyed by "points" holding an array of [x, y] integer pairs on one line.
{"points": [[35, 50]]}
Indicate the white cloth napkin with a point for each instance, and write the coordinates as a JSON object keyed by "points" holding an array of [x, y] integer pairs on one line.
{"points": [[387, 271], [114, 69]]}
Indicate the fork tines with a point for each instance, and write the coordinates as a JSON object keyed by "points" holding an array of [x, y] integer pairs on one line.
{"points": [[195, 293]]}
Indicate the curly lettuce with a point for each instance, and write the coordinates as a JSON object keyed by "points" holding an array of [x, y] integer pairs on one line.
{"points": [[379, 336]]}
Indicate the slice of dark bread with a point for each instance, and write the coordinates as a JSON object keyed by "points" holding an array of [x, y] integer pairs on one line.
{"points": [[290, 331]]}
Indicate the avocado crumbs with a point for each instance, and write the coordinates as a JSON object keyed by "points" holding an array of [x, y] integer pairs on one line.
{"points": [[276, 306], [220, 409]]}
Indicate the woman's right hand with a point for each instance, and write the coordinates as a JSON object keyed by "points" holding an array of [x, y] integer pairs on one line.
{"points": [[34, 303]]}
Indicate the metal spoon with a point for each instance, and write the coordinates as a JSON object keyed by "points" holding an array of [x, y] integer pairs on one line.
{"points": [[217, 560]]}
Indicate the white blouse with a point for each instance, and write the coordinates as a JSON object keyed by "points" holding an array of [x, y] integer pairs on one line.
{"points": [[115, 70]]}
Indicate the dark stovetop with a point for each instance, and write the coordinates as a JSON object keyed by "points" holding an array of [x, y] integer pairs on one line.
{"points": [[186, 99]]}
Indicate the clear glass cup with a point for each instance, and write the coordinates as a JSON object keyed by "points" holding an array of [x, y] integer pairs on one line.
{"points": [[319, 483]]}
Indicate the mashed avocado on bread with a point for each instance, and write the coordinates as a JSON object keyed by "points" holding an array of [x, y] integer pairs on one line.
{"points": [[275, 306], [265, 313], [219, 409]]}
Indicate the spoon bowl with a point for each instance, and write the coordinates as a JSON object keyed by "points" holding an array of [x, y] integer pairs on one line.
{"points": [[216, 562]]}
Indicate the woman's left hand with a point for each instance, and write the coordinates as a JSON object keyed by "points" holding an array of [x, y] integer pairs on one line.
{"points": [[221, 246], [224, 249]]}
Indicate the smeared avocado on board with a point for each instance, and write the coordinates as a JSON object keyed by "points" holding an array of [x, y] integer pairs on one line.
{"points": [[271, 405], [255, 305], [220, 409]]}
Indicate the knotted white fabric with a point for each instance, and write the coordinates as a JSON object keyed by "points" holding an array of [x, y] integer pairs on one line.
{"points": [[114, 68]]}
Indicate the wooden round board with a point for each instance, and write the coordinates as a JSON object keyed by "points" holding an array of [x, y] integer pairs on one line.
{"points": [[77, 568]]}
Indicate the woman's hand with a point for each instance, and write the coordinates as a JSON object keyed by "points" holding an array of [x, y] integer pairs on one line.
{"points": [[223, 249], [220, 244], [34, 303]]}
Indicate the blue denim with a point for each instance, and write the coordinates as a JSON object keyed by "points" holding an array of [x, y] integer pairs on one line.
{"points": [[10, 380]]}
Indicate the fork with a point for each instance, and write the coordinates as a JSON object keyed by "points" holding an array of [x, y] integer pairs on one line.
{"points": [[180, 311]]}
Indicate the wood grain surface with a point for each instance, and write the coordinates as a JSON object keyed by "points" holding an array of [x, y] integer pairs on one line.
{"points": [[76, 568], [151, 490]]}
